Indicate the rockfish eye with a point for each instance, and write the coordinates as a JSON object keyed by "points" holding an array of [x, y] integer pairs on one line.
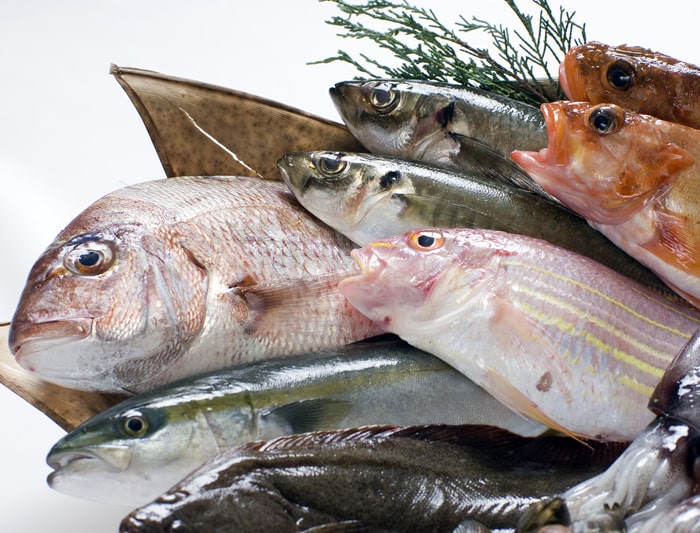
{"points": [[620, 75], [383, 100], [426, 240], [90, 258], [605, 119], [331, 166]]}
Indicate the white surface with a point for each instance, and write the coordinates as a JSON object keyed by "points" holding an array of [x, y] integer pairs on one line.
{"points": [[69, 134]]}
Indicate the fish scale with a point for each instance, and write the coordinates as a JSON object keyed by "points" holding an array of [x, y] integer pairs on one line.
{"points": [[551, 334]]}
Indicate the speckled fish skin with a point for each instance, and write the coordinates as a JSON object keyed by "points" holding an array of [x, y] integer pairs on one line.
{"points": [[633, 177], [136, 450], [369, 197], [374, 478], [635, 78], [652, 486], [550, 333], [169, 278]]}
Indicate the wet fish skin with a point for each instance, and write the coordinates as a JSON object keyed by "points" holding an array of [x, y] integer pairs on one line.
{"points": [[368, 197], [542, 329], [396, 117], [169, 278], [633, 177], [652, 486], [635, 78], [136, 450], [399, 479]]}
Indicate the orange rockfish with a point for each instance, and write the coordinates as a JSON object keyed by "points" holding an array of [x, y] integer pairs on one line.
{"points": [[635, 78], [633, 177], [552, 334], [169, 278]]}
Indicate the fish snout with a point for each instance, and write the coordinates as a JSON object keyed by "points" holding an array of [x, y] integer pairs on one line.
{"points": [[27, 337]]}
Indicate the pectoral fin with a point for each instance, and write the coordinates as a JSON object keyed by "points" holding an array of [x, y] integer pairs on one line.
{"points": [[677, 244], [309, 415]]}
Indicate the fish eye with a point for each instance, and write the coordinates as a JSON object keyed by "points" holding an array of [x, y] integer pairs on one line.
{"points": [[331, 166], [620, 75], [426, 240], [135, 425], [605, 119], [390, 178], [383, 100], [90, 258]]}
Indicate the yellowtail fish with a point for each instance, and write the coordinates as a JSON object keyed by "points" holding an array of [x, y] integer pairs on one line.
{"points": [[136, 450], [653, 485], [552, 334], [169, 278], [634, 177], [426, 478]]}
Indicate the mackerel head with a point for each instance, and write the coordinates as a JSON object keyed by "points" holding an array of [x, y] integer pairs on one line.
{"points": [[168, 278]]}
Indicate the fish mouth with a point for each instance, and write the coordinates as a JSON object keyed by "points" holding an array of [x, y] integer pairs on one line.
{"points": [[27, 338], [570, 78], [87, 460]]}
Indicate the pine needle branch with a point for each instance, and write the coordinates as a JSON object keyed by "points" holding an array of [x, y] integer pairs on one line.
{"points": [[518, 67]]}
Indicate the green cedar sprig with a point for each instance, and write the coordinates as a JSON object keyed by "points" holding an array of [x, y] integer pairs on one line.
{"points": [[518, 67]]}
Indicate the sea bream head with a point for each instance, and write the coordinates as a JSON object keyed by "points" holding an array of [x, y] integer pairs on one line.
{"points": [[396, 117], [115, 295], [419, 282], [359, 195], [633, 77], [603, 161]]}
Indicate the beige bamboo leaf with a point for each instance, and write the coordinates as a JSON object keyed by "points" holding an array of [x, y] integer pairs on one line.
{"points": [[205, 130]]}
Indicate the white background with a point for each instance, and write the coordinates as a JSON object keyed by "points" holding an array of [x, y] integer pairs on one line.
{"points": [[69, 134]]}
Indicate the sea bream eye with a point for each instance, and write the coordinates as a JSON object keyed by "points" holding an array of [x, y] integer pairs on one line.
{"points": [[620, 75], [331, 165], [426, 240], [90, 258], [383, 100], [605, 119]]}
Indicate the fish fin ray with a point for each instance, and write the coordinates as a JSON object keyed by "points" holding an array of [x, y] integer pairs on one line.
{"points": [[310, 415], [676, 242]]}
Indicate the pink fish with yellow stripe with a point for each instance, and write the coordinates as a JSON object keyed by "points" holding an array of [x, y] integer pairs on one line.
{"points": [[552, 334], [634, 177]]}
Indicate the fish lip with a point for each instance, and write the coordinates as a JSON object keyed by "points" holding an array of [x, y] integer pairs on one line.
{"points": [[60, 460], [563, 79], [26, 338]]}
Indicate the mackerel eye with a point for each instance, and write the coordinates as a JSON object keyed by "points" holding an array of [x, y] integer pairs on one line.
{"points": [[135, 425], [383, 100], [620, 75], [90, 258], [426, 241], [331, 165], [605, 119]]}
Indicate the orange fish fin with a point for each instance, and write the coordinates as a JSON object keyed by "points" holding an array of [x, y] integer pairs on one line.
{"points": [[516, 400], [676, 244]]}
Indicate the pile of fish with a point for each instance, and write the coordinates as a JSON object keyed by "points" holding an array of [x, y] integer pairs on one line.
{"points": [[481, 362]]}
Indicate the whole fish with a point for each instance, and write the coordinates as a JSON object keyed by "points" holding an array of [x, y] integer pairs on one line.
{"points": [[169, 278], [635, 78], [452, 126], [370, 479], [134, 451], [552, 334], [653, 485], [368, 197], [633, 177]]}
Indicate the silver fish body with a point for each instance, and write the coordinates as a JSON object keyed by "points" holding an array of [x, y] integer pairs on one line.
{"points": [[455, 127], [368, 479], [169, 278], [136, 450], [544, 330], [398, 117], [368, 197]]}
